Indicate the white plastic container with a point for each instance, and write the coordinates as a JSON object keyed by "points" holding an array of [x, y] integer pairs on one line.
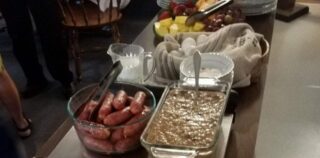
{"points": [[213, 66]]}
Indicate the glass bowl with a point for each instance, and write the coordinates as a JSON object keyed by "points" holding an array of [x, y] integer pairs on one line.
{"points": [[116, 139]]}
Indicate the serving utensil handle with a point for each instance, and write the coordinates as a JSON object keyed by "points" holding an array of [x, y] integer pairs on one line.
{"points": [[107, 80], [197, 65]]}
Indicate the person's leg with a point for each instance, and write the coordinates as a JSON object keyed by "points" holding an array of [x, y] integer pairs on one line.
{"points": [[16, 15], [54, 47], [10, 98]]}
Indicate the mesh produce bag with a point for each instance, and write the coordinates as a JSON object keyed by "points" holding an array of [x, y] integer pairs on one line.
{"points": [[238, 41]]}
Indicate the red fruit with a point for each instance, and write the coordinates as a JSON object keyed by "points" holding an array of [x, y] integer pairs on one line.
{"points": [[206, 22], [172, 5], [189, 4], [228, 19], [190, 11], [179, 9], [164, 15]]}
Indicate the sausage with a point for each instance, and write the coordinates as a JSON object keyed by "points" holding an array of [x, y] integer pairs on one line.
{"points": [[89, 107], [119, 102], [126, 144], [80, 128], [136, 105], [106, 107], [129, 100], [146, 109], [99, 133], [134, 129], [117, 135], [137, 127], [98, 144], [117, 117]]}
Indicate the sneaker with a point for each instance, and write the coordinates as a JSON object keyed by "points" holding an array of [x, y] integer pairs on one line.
{"points": [[26, 131]]}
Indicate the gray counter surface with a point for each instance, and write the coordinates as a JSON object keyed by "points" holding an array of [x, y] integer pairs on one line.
{"points": [[290, 116]]}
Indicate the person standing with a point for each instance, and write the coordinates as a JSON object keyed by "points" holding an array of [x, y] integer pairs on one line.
{"points": [[17, 14], [9, 97]]}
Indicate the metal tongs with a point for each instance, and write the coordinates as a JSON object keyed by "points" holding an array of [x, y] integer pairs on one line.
{"points": [[197, 16], [98, 93], [106, 81]]}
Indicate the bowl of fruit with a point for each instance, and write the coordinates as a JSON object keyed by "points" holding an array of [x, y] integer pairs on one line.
{"points": [[115, 126], [223, 17], [173, 19]]}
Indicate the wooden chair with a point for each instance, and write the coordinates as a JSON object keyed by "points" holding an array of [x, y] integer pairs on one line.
{"points": [[84, 14]]}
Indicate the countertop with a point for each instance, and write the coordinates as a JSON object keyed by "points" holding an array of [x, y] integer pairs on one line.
{"points": [[290, 116]]}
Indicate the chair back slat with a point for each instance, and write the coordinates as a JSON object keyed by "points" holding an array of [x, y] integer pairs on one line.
{"points": [[69, 10], [110, 9], [63, 13], [118, 7], [87, 13], [99, 12], [84, 13]]}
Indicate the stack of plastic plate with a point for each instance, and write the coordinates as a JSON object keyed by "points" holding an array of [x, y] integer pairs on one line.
{"points": [[164, 4], [181, 1]]}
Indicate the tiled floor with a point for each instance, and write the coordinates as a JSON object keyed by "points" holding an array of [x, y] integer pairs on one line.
{"points": [[48, 110]]}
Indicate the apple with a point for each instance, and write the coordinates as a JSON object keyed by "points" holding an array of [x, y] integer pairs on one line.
{"points": [[190, 11], [172, 5], [189, 4], [179, 9], [180, 19], [164, 15], [166, 22], [160, 30], [198, 26]]}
